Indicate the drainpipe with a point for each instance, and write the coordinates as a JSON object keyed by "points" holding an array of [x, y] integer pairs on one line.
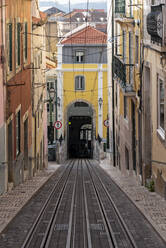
{"points": [[113, 105]]}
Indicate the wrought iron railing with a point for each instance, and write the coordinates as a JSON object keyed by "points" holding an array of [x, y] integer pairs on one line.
{"points": [[120, 72]]}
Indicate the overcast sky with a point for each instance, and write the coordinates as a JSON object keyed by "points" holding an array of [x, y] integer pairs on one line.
{"points": [[43, 8], [71, 1]]}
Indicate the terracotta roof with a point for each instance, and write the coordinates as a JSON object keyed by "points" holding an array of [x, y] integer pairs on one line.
{"points": [[35, 20], [43, 15], [88, 35], [39, 20]]}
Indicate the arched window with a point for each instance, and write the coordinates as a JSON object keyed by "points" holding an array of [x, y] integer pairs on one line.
{"points": [[79, 83]]}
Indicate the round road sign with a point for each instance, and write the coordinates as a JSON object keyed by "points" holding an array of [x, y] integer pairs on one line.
{"points": [[106, 123], [58, 124]]}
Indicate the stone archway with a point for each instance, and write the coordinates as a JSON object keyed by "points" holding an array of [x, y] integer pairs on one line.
{"points": [[81, 112]]}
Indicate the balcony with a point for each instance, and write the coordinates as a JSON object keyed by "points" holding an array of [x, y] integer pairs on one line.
{"points": [[156, 21], [120, 75]]}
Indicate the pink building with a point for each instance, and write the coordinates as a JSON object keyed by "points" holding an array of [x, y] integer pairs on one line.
{"points": [[3, 165]]}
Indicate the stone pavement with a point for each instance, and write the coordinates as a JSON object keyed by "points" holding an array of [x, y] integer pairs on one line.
{"points": [[12, 201], [149, 203]]}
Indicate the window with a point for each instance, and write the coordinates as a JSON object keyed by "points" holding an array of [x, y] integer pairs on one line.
{"points": [[79, 56], [136, 48], [48, 107], [79, 83], [124, 46], [18, 48], [131, 8], [18, 133], [125, 107], [161, 104], [130, 58], [127, 158], [25, 41], [81, 104], [10, 61]]}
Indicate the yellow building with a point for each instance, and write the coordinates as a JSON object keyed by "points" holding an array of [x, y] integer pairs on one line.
{"points": [[126, 40], [82, 90], [39, 108]]}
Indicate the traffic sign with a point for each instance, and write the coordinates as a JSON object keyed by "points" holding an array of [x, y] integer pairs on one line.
{"points": [[58, 124], [106, 123]]}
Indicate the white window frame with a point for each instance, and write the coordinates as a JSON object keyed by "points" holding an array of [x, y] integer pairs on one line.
{"points": [[80, 54], [79, 85], [160, 129]]}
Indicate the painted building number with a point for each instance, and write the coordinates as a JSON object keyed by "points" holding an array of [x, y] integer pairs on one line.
{"points": [[58, 124]]}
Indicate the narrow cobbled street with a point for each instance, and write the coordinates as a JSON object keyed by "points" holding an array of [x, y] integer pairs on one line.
{"points": [[80, 206]]}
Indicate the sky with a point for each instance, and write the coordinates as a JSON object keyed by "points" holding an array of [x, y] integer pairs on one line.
{"points": [[43, 8], [71, 1]]}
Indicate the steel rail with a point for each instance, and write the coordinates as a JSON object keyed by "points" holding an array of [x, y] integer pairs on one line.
{"points": [[48, 234], [123, 224], [68, 243], [86, 215], [110, 234], [42, 211]]}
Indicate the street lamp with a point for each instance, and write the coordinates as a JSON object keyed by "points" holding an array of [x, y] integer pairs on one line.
{"points": [[51, 98]]}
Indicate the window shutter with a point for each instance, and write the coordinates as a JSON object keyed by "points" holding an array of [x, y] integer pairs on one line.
{"points": [[10, 46], [26, 41], [18, 43]]}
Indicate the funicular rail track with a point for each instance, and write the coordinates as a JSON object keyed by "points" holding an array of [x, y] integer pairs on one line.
{"points": [[40, 229], [80, 212], [117, 232]]}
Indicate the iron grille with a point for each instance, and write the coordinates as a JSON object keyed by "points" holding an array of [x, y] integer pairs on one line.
{"points": [[155, 24], [120, 70]]}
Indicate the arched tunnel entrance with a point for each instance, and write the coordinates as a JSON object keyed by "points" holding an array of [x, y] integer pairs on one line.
{"points": [[80, 130]]}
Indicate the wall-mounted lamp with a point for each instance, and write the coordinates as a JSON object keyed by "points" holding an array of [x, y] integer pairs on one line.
{"points": [[100, 100]]}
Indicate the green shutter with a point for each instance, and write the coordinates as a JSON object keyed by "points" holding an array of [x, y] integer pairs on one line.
{"points": [[26, 40], [18, 43], [10, 46]]}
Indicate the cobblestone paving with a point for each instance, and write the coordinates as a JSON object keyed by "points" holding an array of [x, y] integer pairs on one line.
{"points": [[11, 202], [149, 203]]}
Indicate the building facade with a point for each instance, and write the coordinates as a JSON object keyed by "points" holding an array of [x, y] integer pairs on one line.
{"points": [[39, 90], [82, 90], [3, 165], [124, 39], [18, 83], [154, 95]]}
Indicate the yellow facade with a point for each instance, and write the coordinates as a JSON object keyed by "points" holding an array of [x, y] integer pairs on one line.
{"points": [[128, 29], [39, 121], [90, 94]]}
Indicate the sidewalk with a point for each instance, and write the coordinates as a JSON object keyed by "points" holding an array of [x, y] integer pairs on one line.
{"points": [[12, 201], [150, 204]]}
